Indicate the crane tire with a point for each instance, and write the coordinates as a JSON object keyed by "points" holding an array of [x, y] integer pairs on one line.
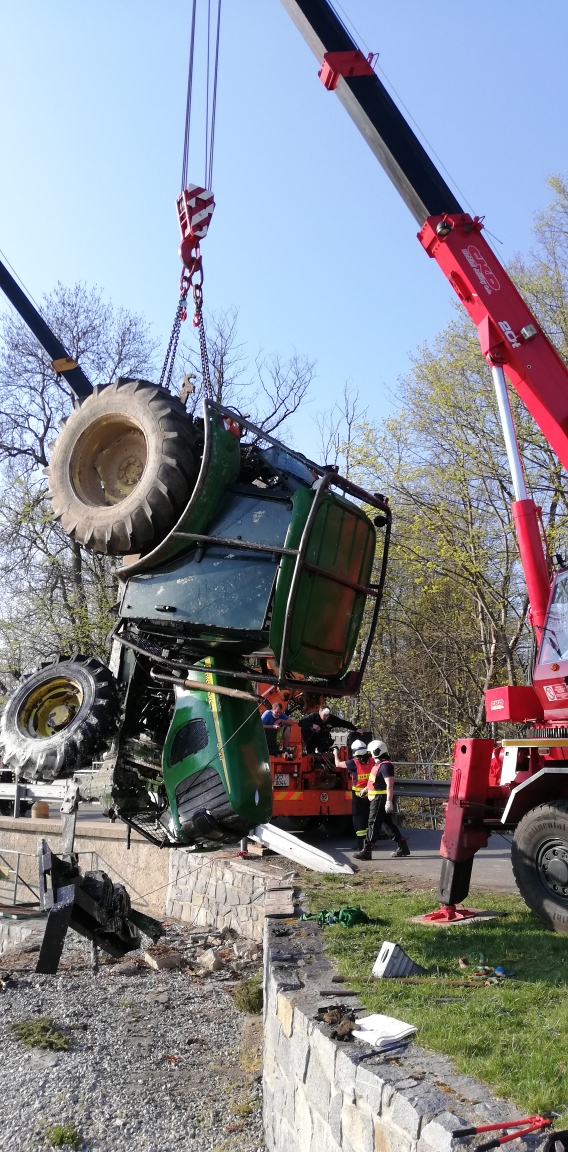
{"points": [[122, 468], [539, 855], [57, 719]]}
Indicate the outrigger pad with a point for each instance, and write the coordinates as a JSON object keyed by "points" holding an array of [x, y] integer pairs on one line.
{"points": [[90, 904]]}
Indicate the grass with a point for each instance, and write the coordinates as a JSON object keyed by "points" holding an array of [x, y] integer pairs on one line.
{"points": [[63, 1136], [514, 1036], [248, 995], [40, 1032]]}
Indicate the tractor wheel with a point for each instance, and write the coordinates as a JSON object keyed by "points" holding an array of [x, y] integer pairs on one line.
{"points": [[539, 856], [122, 467], [55, 720]]}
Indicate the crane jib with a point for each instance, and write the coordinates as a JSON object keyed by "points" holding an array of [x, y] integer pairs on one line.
{"points": [[62, 363]]}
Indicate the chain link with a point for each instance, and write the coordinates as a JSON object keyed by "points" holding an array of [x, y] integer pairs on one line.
{"points": [[192, 270]]}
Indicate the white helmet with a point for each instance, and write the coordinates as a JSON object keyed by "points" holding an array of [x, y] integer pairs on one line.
{"points": [[358, 746], [377, 748]]}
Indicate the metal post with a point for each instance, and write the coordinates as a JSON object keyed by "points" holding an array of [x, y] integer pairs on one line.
{"points": [[509, 434]]}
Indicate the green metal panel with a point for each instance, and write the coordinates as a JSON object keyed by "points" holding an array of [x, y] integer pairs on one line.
{"points": [[220, 465], [226, 767], [219, 587], [326, 615]]}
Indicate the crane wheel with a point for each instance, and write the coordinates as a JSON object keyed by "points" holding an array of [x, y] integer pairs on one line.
{"points": [[122, 467], [539, 856], [56, 719]]}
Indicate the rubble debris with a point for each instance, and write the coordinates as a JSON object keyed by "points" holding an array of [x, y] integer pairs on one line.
{"points": [[161, 956]]}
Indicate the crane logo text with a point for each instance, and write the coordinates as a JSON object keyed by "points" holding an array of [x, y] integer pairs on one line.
{"points": [[484, 273], [509, 333]]}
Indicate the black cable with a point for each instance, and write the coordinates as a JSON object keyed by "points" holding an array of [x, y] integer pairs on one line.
{"points": [[209, 181], [185, 160], [207, 93]]}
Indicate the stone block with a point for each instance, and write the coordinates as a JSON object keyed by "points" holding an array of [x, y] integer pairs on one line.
{"points": [[325, 1050], [411, 1108], [318, 1085], [323, 1140], [336, 1102], [221, 893], [357, 1128], [345, 1072], [304, 1120], [285, 1013], [299, 1052], [437, 1134], [272, 1031], [388, 1139]]}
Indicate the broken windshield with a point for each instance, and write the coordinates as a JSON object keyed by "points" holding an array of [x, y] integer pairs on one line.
{"points": [[555, 639]]}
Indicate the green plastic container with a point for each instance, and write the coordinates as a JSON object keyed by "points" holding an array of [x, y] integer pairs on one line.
{"points": [[215, 764]]}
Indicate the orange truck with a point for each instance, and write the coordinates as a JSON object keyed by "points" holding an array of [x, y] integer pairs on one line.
{"points": [[308, 790]]}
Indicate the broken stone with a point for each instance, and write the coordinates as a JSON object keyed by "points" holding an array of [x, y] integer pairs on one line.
{"points": [[210, 960], [128, 969], [161, 957]]}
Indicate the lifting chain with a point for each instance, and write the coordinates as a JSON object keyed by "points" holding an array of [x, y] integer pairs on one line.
{"points": [[194, 268]]}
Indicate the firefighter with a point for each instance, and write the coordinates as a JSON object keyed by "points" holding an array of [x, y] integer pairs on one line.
{"points": [[380, 790], [316, 729], [359, 767]]}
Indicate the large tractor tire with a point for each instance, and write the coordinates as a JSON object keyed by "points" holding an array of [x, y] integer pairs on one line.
{"points": [[539, 856], [122, 467], [55, 721]]}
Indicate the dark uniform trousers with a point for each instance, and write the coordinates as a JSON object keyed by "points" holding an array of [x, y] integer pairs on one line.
{"points": [[378, 816]]}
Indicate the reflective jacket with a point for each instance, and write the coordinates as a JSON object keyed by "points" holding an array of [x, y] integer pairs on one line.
{"points": [[377, 778], [361, 778]]}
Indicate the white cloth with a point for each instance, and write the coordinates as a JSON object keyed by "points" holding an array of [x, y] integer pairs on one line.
{"points": [[382, 1030]]}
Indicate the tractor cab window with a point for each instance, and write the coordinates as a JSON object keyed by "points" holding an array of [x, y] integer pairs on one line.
{"points": [[555, 638]]}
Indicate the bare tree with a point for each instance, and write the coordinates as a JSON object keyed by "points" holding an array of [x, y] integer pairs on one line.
{"points": [[55, 595], [268, 389]]}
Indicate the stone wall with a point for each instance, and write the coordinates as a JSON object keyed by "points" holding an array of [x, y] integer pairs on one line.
{"points": [[320, 1097], [222, 892]]}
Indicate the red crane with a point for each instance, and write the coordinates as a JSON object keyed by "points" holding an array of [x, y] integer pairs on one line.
{"points": [[518, 785]]}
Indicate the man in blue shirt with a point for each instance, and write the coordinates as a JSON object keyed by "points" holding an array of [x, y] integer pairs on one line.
{"points": [[274, 719]]}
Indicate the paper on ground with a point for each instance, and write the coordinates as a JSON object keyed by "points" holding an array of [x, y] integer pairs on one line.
{"points": [[382, 1030]]}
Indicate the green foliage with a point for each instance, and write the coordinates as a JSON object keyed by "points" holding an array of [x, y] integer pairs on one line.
{"points": [[63, 1136], [511, 1035], [40, 1032], [248, 995]]}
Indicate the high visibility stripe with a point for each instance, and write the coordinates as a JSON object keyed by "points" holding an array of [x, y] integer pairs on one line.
{"points": [[287, 795], [372, 794]]}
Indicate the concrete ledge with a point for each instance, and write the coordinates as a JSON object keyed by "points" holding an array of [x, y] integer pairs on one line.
{"points": [[142, 868]]}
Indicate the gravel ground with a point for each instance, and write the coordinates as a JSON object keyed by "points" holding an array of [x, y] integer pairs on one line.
{"points": [[158, 1061]]}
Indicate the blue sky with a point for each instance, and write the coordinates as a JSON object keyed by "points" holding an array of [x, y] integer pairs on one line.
{"points": [[309, 240]]}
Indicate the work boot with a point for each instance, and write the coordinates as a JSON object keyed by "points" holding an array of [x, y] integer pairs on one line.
{"points": [[402, 849], [364, 854]]}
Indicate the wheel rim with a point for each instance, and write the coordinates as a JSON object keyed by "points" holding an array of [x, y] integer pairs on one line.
{"points": [[108, 460], [552, 867], [50, 708]]}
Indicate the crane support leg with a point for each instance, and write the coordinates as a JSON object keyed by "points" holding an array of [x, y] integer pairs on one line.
{"points": [[464, 832]]}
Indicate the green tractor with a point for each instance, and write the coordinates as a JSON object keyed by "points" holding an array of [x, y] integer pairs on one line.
{"points": [[242, 563]]}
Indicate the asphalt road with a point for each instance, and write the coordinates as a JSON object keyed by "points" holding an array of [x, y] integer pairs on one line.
{"points": [[491, 869]]}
